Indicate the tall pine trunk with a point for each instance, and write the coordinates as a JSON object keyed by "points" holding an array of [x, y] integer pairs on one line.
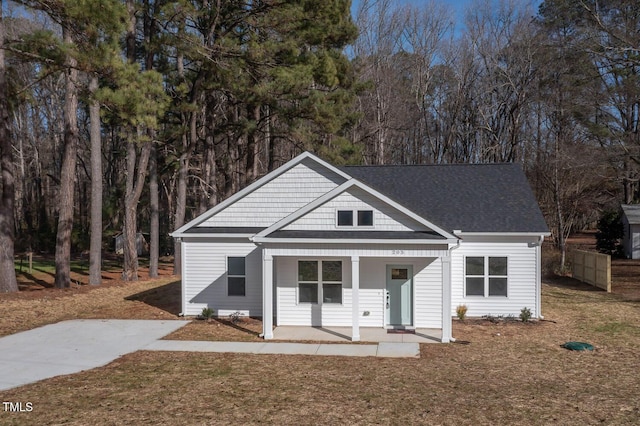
{"points": [[8, 281], [134, 179], [95, 245], [154, 203], [133, 190], [154, 198], [67, 172]]}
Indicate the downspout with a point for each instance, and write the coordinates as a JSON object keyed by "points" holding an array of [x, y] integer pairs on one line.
{"points": [[183, 276], [539, 277], [451, 249]]}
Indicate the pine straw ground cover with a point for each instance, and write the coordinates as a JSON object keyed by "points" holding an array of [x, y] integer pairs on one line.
{"points": [[508, 373]]}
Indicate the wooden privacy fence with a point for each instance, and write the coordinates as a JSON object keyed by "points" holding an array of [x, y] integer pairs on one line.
{"points": [[592, 268]]}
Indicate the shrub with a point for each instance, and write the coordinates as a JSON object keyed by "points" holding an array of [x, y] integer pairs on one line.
{"points": [[525, 314], [610, 233], [235, 317], [207, 313], [461, 312]]}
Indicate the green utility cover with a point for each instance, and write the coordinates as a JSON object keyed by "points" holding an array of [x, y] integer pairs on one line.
{"points": [[577, 346]]}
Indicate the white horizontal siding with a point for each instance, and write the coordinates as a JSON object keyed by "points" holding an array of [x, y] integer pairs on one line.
{"points": [[399, 251], [205, 277], [427, 286], [428, 293], [278, 198], [324, 217], [521, 279], [330, 315]]}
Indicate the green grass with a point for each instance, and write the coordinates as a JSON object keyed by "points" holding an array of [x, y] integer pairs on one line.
{"points": [[618, 329], [80, 266]]}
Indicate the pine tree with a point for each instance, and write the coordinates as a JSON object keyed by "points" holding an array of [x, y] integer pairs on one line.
{"points": [[8, 281]]}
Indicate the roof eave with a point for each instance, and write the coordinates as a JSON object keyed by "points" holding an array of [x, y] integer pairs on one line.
{"points": [[504, 234], [209, 235], [262, 240]]}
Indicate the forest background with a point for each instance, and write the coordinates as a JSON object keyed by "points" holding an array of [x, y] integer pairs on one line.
{"points": [[127, 116]]}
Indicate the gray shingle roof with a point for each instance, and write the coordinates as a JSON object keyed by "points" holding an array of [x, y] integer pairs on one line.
{"points": [[466, 197]]}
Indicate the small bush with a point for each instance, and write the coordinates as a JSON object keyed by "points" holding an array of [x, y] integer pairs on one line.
{"points": [[207, 313], [525, 314], [235, 317], [461, 312]]}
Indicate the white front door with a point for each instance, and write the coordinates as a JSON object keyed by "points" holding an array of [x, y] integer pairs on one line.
{"points": [[399, 296]]}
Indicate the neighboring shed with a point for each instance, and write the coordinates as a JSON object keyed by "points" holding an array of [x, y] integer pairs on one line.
{"points": [[141, 244], [631, 225]]}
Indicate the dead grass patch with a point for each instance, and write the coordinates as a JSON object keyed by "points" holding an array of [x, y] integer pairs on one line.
{"points": [[150, 299], [220, 329]]}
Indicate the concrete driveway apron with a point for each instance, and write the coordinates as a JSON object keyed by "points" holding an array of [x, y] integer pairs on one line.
{"points": [[72, 346]]}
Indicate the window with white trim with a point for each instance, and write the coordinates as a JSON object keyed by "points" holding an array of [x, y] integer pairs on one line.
{"points": [[320, 280], [354, 217], [365, 217], [236, 276], [345, 218], [486, 276]]}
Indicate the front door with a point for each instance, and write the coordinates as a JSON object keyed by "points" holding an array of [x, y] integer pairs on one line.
{"points": [[399, 296]]}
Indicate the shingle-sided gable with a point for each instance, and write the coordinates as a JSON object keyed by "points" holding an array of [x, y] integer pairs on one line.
{"points": [[355, 199], [492, 198], [277, 198]]}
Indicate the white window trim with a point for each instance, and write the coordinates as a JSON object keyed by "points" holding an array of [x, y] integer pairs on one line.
{"points": [[486, 277], [320, 282], [354, 217], [236, 276]]}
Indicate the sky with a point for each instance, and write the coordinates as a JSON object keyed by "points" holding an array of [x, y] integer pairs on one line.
{"points": [[458, 6]]}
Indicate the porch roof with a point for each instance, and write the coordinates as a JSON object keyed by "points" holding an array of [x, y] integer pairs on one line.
{"points": [[357, 235]]}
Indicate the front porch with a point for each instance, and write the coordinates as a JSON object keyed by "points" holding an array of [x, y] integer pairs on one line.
{"points": [[343, 334], [378, 288]]}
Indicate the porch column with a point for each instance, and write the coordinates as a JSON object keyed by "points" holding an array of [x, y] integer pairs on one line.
{"points": [[267, 295], [355, 298], [446, 299]]}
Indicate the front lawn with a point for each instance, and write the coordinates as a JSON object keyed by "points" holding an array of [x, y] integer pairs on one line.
{"points": [[498, 373]]}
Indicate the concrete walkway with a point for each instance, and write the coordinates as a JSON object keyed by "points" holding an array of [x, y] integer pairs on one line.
{"points": [[382, 349], [72, 346]]}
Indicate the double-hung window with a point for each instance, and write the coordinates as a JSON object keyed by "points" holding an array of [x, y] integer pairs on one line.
{"points": [[236, 276], [486, 276], [308, 279], [319, 280]]}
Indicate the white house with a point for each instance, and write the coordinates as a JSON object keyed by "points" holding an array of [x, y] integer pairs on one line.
{"points": [[631, 226], [311, 244]]}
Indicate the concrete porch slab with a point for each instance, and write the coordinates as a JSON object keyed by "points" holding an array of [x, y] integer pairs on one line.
{"points": [[343, 334]]}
